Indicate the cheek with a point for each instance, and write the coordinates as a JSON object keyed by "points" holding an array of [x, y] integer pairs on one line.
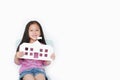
{"points": [[30, 34], [39, 33]]}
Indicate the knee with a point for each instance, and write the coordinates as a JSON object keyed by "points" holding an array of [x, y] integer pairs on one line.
{"points": [[28, 77], [40, 77]]}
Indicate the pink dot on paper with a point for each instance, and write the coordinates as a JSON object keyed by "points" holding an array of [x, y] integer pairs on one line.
{"points": [[35, 55], [45, 55]]}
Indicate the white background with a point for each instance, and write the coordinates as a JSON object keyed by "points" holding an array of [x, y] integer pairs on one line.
{"points": [[85, 33]]}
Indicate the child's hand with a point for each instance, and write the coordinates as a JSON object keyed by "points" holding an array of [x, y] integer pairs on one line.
{"points": [[49, 62], [52, 56], [20, 54]]}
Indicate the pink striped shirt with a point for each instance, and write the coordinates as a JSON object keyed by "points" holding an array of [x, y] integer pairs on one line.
{"points": [[29, 63]]}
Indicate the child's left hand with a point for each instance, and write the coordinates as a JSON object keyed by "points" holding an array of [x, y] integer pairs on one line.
{"points": [[53, 56], [49, 62]]}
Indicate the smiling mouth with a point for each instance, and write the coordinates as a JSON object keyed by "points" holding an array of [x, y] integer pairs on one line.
{"points": [[35, 36]]}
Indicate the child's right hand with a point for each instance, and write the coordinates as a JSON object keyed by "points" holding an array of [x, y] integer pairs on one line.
{"points": [[19, 54]]}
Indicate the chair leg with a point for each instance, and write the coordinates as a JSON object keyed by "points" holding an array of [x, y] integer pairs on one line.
{"points": [[46, 78]]}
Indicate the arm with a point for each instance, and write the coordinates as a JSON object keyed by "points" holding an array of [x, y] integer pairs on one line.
{"points": [[17, 57], [49, 62]]}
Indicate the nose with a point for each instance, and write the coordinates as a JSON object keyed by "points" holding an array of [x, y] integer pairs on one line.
{"points": [[35, 32]]}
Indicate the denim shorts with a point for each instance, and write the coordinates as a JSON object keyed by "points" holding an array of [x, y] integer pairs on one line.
{"points": [[33, 71]]}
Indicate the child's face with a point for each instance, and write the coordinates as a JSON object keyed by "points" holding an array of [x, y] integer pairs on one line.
{"points": [[34, 32]]}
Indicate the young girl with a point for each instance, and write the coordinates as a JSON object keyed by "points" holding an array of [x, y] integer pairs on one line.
{"points": [[32, 69]]}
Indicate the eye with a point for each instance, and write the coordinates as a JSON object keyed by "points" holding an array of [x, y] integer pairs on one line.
{"points": [[37, 30], [31, 30]]}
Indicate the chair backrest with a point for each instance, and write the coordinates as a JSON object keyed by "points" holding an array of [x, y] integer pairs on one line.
{"points": [[49, 42]]}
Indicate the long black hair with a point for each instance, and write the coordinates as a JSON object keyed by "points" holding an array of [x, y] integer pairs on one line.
{"points": [[26, 38]]}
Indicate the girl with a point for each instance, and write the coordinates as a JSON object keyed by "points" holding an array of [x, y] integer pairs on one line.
{"points": [[32, 69]]}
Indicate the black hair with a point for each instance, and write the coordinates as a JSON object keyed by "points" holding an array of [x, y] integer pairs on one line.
{"points": [[26, 38]]}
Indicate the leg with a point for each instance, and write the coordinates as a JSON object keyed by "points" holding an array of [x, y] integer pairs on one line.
{"points": [[28, 77], [40, 77]]}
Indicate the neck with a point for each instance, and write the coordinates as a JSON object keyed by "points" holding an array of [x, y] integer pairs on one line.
{"points": [[31, 41]]}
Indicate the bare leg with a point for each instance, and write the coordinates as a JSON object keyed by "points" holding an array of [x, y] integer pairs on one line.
{"points": [[28, 77], [39, 77]]}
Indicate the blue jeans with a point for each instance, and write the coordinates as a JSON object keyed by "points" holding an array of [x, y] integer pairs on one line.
{"points": [[33, 71]]}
